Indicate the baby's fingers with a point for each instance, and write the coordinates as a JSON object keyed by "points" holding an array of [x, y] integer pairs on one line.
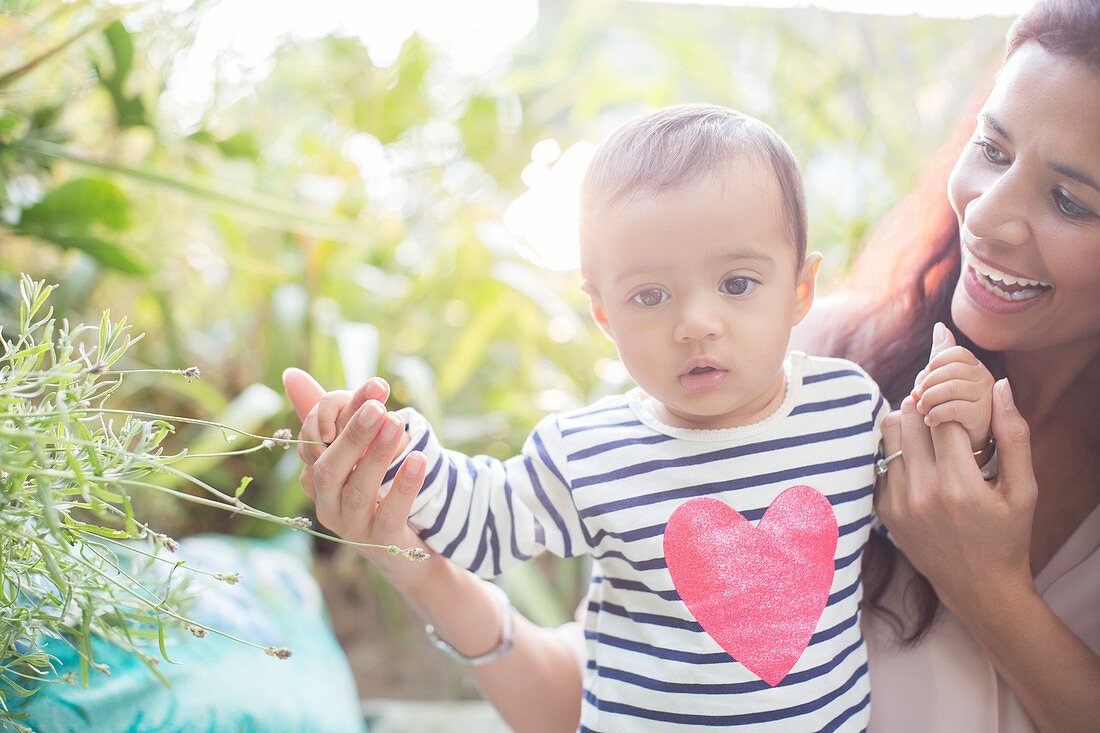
{"points": [[375, 388], [328, 408], [312, 446], [971, 415], [938, 392], [953, 381]]}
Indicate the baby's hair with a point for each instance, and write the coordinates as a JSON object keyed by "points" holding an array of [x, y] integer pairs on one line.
{"points": [[677, 146]]}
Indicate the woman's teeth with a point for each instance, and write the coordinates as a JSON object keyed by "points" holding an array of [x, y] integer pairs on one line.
{"points": [[1003, 285]]}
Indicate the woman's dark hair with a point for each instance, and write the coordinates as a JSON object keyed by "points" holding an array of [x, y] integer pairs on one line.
{"points": [[907, 274]]}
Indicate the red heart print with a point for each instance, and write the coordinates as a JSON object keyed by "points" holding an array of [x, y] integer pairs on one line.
{"points": [[758, 591]]}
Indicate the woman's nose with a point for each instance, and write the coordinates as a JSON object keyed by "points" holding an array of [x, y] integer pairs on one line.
{"points": [[698, 320], [999, 210]]}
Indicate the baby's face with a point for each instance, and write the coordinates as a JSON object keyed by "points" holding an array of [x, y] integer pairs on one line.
{"points": [[699, 289]]}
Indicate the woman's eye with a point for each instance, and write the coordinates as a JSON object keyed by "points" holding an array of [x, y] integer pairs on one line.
{"points": [[1069, 207], [738, 285], [991, 153], [651, 297]]}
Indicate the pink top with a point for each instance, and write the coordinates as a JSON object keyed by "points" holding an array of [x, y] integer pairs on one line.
{"points": [[946, 683]]}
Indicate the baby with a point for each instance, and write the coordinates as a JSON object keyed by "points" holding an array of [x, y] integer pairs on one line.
{"points": [[726, 500]]}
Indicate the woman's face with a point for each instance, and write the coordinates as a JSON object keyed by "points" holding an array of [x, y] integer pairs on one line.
{"points": [[1026, 191]]}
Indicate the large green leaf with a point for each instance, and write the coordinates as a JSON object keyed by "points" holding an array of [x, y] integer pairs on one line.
{"points": [[78, 204], [107, 254]]}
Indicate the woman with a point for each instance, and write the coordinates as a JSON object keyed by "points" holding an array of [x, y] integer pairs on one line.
{"points": [[1000, 630]]}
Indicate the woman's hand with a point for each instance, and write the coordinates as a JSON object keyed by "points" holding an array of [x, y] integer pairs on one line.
{"points": [[344, 478], [970, 538]]}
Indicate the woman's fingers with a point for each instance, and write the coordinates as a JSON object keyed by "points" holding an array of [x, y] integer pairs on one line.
{"points": [[916, 444], [1015, 473], [393, 510], [359, 495], [306, 480], [332, 469], [891, 444]]}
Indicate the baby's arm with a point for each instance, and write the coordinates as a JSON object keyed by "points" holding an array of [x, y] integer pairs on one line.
{"points": [[955, 386], [484, 514]]}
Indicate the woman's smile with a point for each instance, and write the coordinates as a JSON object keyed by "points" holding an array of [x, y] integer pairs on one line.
{"points": [[997, 290]]}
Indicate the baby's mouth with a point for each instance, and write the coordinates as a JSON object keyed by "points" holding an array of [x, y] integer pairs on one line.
{"points": [[704, 374], [1001, 284]]}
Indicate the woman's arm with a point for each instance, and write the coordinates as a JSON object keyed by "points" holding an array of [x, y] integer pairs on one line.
{"points": [[971, 539], [537, 685]]}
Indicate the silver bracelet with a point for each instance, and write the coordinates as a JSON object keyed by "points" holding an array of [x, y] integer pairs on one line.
{"points": [[503, 646]]}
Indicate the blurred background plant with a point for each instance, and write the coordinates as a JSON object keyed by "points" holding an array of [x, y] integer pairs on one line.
{"points": [[354, 201]]}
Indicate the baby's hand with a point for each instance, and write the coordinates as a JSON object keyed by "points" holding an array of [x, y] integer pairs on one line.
{"points": [[955, 386], [332, 412]]}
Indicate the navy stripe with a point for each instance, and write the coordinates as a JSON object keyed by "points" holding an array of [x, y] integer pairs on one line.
{"points": [[827, 376], [732, 484], [393, 469], [582, 414], [878, 408], [752, 515], [764, 716], [544, 499], [646, 681], [723, 454], [540, 534], [639, 565], [566, 432], [448, 496], [843, 593], [854, 526], [613, 444], [639, 587], [651, 619], [452, 483], [688, 624], [830, 404], [678, 655], [854, 495], [845, 716], [843, 562]]}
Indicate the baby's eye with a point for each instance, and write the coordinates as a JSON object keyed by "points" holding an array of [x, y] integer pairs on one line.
{"points": [[650, 298], [739, 285]]}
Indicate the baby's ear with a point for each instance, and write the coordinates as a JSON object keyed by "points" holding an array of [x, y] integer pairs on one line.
{"points": [[599, 315], [806, 286]]}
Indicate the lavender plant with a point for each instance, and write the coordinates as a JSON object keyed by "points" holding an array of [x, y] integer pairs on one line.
{"points": [[69, 534]]}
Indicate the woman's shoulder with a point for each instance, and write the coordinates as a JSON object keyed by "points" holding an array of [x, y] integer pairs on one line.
{"points": [[817, 332]]}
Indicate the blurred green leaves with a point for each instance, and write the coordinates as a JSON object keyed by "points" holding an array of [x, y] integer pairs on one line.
{"points": [[129, 108], [70, 214]]}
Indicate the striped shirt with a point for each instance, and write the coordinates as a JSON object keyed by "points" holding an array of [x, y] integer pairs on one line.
{"points": [[605, 479]]}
